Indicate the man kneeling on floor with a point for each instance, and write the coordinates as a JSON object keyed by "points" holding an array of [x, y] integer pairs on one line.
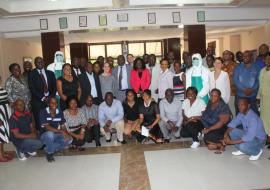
{"points": [[53, 129], [23, 133], [251, 139]]}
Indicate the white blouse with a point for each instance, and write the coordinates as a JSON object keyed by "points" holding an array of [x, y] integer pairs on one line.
{"points": [[222, 83], [195, 109]]}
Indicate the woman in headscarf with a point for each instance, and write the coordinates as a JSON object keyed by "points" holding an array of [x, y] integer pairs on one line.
{"points": [[57, 65], [198, 76]]}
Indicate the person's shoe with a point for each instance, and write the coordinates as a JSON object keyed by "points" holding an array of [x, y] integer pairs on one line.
{"points": [[98, 144], [237, 153], [32, 153], [21, 156], [195, 144], [109, 140], [50, 158], [166, 140], [256, 157], [122, 142]]}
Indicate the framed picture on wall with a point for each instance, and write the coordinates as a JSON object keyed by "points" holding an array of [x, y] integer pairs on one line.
{"points": [[201, 16], [176, 17], [63, 23], [83, 21], [151, 18], [102, 20], [43, 24], [122, 17]]}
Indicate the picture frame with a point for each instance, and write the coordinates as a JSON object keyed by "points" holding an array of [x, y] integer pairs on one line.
{"points": [[201, 16], [176, 17], [43, 24], [102, 20], [151, 18], [122, 17], [63, 24], [82, 21]]}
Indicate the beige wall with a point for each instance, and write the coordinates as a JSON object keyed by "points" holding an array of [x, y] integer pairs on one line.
{"points": [[13, 51], [245, 40]]}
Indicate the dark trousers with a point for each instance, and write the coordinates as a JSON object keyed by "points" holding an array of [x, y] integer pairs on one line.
{"points": [[191, 129], [37, 106], [155, 131], [93, 133], [251, 100], [215, 136], [80, 142]]}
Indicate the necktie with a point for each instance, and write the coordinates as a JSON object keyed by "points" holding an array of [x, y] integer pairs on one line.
{"points": [[77, 70], [120, 78], [45, 86]]}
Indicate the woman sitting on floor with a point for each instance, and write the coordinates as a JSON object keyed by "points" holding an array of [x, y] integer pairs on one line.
{"points": [[192, 112], [76, 124], [215, 118], [149, 118], [131, 112]]}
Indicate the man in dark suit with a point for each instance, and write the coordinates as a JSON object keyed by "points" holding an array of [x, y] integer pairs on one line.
{"points": [[90, 85], [121, 74], [42, 84], [75, 65]]}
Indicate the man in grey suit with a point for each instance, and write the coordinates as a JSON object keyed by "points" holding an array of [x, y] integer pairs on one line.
{"points": [[121, 74]]}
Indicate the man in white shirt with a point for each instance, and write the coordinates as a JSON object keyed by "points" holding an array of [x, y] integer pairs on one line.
{"points": [[171, 116], [154, 69], [111, 115]]}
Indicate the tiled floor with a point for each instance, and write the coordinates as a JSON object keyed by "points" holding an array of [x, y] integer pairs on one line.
{"points": [[203, 170], [137, 167]]}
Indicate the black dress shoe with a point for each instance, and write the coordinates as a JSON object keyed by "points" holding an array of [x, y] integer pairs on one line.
{"points": [[122, 142], [98, 144], [109, 140], [50, 158], [166, 140]]}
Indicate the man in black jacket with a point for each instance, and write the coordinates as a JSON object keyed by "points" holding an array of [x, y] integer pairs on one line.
{"points": [[42, 84], [90, 85]]}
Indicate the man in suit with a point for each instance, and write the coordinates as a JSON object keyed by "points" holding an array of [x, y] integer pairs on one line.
{"points": [[75, 65], [121, 74], [42, 84], [90, 85]]}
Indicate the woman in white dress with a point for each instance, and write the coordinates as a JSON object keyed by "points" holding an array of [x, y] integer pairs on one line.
{"points": [[220, 79]]}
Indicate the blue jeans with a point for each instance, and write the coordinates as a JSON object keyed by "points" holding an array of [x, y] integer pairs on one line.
{"points": [[29, 145], [250, 148], [54, 141]]}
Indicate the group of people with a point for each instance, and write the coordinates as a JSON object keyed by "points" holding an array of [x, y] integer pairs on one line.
{"points": [[68, 105]]}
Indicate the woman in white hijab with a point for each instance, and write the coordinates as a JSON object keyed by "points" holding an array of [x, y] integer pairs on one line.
{"points": [[57, 65], [198, 76]]}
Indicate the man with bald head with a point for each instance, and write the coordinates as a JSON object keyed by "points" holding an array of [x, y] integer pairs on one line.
{"points": [[246, 80], [121, 75]]}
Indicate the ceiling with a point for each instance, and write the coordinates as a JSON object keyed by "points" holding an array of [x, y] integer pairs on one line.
{"points": [[30, 7]]}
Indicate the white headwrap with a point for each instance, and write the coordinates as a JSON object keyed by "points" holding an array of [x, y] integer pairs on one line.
{"points": [[58, 65]]}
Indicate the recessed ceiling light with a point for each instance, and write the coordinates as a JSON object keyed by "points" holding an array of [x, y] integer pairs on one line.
{"points": [[52, 0]]}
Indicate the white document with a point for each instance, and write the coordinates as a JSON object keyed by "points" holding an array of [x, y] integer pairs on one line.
{"points": [[145, 131]]}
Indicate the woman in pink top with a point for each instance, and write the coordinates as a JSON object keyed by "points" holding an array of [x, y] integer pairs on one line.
{"points": [[140, 76]]}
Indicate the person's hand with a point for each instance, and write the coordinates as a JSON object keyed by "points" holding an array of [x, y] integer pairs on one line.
{"points": [[150, 126], [33, 136], [107, 129], [174, 129], [108, 123], [248, 91], [171, 124], [227, 140], [205, 131]]}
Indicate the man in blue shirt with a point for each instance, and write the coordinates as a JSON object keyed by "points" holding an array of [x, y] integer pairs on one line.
{"points": [[110, 115], [251, 139], [246, 80], [263, 51], [23, 132], [54, 133]]}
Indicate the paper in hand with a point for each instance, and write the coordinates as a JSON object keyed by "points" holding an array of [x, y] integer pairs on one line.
{"points": [[145, 131]]}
